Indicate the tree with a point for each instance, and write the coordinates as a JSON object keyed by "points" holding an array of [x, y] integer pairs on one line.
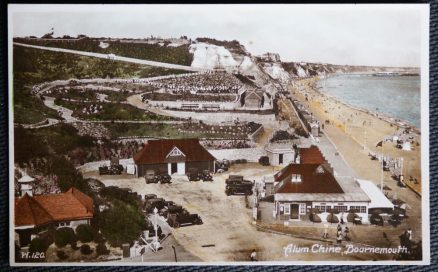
{"points": [[64, 236], [85, 233], [122, 223]]}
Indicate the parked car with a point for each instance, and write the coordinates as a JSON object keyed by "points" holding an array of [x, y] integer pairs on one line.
{"points": [[162, 178], [235, 184], [206, 176], [222, 166], [193, 174], [112, 170], [264, 160], [183, 219], [153, 203]]}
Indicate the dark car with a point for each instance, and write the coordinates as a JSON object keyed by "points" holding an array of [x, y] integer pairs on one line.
{"points": [[236, 185], [264, 160], [183, 219], [193, 174], [206, 176], [153, 203], [222, 166], [174, 209], [149, 196], [112, 170], [376, 220]]}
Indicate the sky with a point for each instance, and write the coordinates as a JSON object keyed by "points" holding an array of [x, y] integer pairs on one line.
{"points": [[379, 35]]}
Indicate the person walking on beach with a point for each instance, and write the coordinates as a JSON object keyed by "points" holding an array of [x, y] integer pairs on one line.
{"points": [[253, 256]]}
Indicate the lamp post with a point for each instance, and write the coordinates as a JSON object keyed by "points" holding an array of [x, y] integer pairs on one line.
{"points": [[156, 243]]}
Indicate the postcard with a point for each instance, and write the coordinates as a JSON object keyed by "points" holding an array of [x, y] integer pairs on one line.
{"points": [[218, 134]]}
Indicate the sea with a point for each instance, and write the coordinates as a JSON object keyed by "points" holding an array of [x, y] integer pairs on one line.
{"points": [[394, 95]]}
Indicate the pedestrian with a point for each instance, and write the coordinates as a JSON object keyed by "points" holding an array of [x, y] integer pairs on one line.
{"points": [[325, 234], [409, 234], [253, 256], [339, 228], [339, 238], [342, 218], [346, 231]]}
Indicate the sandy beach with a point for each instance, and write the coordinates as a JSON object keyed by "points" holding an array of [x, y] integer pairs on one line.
{"points": [[356, 133]]}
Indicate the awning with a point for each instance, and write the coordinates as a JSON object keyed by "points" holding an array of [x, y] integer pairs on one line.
{"points": [[378, 199]]}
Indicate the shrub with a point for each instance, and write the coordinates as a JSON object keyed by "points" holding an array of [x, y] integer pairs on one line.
{"points": [[38, 245], [122, 223], [74, 246], [64, 236], [84, 233], [85, 249], [61, 255], [101, 249]]}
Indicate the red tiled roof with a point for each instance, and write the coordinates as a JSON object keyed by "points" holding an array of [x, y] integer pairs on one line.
{"points": [[29, 212], [315, 179], [311, 155], [155, 151], [43, 209]]}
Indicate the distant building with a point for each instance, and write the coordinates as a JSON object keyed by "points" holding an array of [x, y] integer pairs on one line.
{"points": [[173, 156], [281, 153], [311, 184], [270, 57], [254, 99], [35, 214]]}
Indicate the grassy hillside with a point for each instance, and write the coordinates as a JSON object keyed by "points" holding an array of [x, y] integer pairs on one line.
{"points": [[32, 66], [155, 52]]}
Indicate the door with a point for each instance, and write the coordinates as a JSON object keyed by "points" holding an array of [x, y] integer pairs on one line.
{"points": [[294, 209], [280, 158], [173, 168]]}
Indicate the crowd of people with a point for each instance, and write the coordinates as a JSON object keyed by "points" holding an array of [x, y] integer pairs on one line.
{"points": [[205, 82], [227, 144]]}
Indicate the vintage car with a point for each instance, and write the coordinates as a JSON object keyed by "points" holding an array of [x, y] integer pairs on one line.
{"points": [[236, 185], [162, 178], [153, 203], [112, 170], [264, 160], [222, 166], [206, 176], [193, 174], [183, 219]]}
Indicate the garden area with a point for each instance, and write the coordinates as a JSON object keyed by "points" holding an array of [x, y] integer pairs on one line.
{"points": [[33, 66], [185, 130], [99, 111]]}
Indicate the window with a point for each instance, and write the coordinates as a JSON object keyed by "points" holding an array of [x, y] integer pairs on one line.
{"points": [[340, 208], [320, 170], [280, 158], [175, 152], [296, 178], [360, 209], [64, 224], [286, 208], [302, 208], [323, 208]]}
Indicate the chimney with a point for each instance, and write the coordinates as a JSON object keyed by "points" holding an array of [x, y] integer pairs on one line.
{"points": [[26, 185]]}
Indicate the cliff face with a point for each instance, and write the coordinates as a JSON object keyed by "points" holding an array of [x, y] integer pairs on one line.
{"points": [[233, 57]]}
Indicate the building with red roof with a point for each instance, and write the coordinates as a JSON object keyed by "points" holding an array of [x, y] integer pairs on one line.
{"points": [[34, 214], [309, 184], [173, 156]]}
